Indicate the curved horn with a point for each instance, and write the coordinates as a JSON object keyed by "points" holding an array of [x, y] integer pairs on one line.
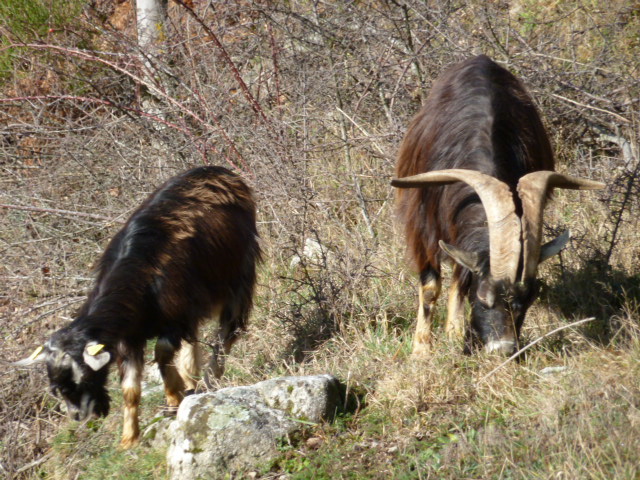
{"points": [[533, 190], [497, 199]]}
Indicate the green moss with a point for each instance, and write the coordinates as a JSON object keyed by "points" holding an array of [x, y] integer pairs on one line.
{"points": [[29, 21]]}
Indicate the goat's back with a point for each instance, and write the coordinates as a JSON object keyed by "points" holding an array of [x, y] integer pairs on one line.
{"points": [[191, 245], [477, 116]]}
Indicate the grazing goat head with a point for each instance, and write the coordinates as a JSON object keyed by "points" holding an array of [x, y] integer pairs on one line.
{"points": [[476, 141], [187, 255], [77, 370], [501, 291]]}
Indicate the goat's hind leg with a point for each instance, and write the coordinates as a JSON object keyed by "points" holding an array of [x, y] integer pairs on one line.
{"points": [[173, 383], [232, 316], [189, 362], [227, 333], [221, 349]]}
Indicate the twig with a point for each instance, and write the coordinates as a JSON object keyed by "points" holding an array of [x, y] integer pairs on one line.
{"points": [[274, 59], [101, 101], [56, 211], [35, 463], [628, 196], [364, 132], [602, 110], [538, 340], [43, 304], [344, 135], [356, 181], [46, 314], [155, 91], [225, 55]]}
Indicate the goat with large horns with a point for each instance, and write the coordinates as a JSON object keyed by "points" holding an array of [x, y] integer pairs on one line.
{"points": [[188, 254], [474, 172]]}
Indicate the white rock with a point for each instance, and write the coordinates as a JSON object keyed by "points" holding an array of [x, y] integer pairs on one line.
{"points": [[313, 251], [238, 428]]}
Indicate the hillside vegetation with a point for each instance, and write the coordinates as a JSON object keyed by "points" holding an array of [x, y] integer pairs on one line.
{"points": [[309, 101]]}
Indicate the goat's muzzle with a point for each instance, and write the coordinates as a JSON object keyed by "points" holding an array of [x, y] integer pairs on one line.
{"points": [[502, 346]]}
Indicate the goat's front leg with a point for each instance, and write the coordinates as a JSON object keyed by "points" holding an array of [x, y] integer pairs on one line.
{"points": [[429, 292], [131, 380], [455, 309]]}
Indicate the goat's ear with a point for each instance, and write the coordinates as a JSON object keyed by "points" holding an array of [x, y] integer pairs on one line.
{"points": [[95, 356], [554, 247], [486, 293], [470, 260], [38, 355]]}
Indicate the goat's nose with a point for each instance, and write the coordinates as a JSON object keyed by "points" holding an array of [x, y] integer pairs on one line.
{"points": [[72, 411], [502, 346], [75, 414]]}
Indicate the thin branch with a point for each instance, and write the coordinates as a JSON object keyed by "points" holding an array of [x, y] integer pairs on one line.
{"points": [[602, 110], [225, 55], [43, 315], [35, 463], [274, 59], [365, 133], [99, 101], [628, 192], [85, 55], [64, 213], [538, 340]]}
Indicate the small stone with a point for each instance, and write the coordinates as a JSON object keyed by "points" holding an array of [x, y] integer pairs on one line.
{"points": [[314, 443], [553, 370]]}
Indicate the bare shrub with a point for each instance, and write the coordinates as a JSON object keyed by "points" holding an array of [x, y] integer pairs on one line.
{"points": [[308, 101]]}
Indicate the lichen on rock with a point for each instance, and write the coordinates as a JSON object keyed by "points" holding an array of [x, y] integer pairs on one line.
{"points": [[237, 428]]}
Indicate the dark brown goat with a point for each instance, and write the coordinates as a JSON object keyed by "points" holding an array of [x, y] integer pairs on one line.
{"points": [[474, 172], [187, 254]]}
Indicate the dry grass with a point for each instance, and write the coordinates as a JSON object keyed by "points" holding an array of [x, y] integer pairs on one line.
{"points": [[337, 84]]}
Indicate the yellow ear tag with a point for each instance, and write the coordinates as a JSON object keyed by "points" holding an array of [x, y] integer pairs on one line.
{"points": [[94, 349], [36, 352]]}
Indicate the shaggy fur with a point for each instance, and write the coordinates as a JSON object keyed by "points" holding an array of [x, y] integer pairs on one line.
{"points": [[478, 116], [188, 254]]}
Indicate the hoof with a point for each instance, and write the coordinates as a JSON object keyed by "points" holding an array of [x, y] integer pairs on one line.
{"points": [[127, 443], [169, 411], [421, 349]]}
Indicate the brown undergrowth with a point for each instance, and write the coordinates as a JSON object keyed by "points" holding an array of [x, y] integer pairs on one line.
{"points": [[330, 89]]}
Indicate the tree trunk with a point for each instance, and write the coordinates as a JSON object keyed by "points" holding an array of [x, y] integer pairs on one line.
{"points": [[151, 16]]}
